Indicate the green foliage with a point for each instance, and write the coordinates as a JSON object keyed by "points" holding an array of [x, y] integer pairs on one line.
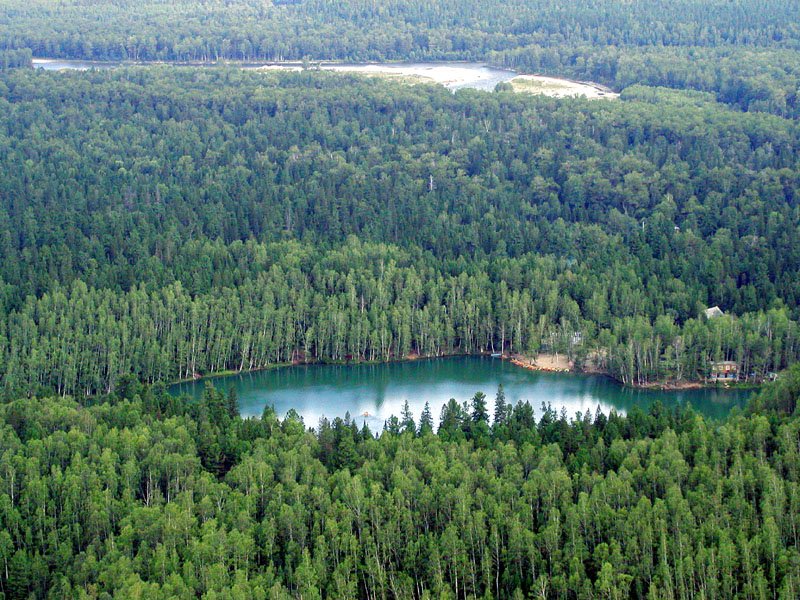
{"points": [[780, 397], [173, 223], [385, 29], [426, 421], [10, 59], [157, 224], [762, 77], [119, 499], [743, 52]]}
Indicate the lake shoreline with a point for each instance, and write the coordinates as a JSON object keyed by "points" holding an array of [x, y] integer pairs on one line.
{"points": [[554, 363], [311, 363], [544, 363], [376, 390]]}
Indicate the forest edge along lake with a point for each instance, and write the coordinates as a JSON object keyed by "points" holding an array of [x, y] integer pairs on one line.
{"points": [[372, 393]]}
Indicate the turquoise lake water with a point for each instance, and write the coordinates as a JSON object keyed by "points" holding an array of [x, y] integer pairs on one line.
{"points": [[379, 390]]}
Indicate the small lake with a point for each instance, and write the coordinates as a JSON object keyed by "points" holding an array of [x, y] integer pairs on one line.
{"points": [[379, 390], [452, 75]]}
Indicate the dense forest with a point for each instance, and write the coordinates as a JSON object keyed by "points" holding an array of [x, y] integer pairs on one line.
{"points": [[751, 79], [382, 29], [161, 223], [745, 52], [169, 223], [142, 495]]}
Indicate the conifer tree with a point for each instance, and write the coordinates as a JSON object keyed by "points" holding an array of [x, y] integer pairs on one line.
{"points": [[407, 419], [426, 421]]}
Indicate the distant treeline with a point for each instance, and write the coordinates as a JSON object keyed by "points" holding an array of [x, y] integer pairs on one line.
{"points": [[746, 52], [756, 79], [10, 59], [171, 222], [382, 29]]}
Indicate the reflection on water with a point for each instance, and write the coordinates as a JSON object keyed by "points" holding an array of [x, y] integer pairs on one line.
{"points": [[381, 390]]}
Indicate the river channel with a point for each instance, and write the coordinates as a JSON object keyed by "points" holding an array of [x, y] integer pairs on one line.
{"points": [[372, 393], [453, 75]]}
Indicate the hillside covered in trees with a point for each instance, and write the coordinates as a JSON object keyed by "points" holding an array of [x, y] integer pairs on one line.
{"points": [[166, 222], [143, 496], [745, 52], [383, 29]]}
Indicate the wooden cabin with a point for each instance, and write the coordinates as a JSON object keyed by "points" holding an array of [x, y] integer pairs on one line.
{"points": [[726, 370]]}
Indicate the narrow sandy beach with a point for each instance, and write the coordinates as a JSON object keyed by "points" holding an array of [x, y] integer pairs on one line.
{"points": [[560, 88], [452, 75]]}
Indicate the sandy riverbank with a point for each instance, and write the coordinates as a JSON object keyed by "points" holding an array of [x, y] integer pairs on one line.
{"points": [[455, 76], [451, 75], [561, 88]]}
